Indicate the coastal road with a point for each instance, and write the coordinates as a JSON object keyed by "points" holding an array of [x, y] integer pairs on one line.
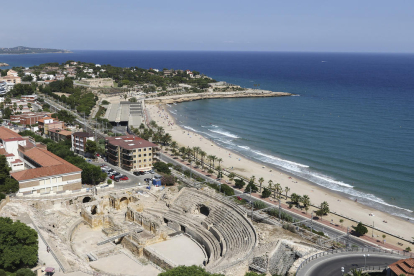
{"points": [[330, 232], [331, 265]]}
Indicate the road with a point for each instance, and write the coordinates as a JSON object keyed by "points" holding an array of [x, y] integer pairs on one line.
{"points": [[331, 265], [330, 232]]}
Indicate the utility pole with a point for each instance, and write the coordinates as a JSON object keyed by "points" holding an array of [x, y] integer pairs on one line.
{"points": [[251, 202]]}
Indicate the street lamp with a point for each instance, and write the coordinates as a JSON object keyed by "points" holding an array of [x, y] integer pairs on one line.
{"points": [[342, 270], [365, 256]]}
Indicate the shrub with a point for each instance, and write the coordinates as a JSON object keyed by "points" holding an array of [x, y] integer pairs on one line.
{"points": [[109, 181], [239, 183], [284, 216], [360, 229], [2, 196], [162, 167], [266, 193], [104, 102], [259, 205], [168, 180]]}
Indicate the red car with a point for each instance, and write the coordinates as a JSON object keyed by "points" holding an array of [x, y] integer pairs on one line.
{"points": [[124, 178], [112, 177]]}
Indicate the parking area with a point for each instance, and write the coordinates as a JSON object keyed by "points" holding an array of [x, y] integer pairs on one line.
{"points": [[133, 180]]}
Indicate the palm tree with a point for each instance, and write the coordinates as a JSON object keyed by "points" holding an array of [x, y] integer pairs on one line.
{"points": [[189, 152], [270, 185], [356, 272], [231, 176], [219, 160], [278, 189], [213, 158], [210, 158], [166, 138], [182, 150], [20, 107], [287, 189], [202, 155], [305, 200], [160, 130], [252, 179], [261, 180], [196, 150], [174, 145], [325, 207], [153, 124]]}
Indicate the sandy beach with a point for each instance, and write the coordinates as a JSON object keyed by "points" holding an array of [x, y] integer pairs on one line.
{"points": [[240, 165]]}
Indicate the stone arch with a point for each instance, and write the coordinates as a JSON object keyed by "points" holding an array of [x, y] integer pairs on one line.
{"points": [[204, 210], [94, 210], [123, 202], [86, 199], [182, 228]]}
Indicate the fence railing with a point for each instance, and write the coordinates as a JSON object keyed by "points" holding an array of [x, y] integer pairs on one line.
{"points": [[362, 250], [374, 268]]}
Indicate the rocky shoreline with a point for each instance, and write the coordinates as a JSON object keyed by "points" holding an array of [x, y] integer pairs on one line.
{"points": [[3, 64], [214, 95]]}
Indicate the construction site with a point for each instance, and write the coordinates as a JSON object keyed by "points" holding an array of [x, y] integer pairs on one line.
{"points": [[137, 231]]}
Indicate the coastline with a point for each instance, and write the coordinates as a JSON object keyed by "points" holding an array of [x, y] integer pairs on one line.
{"points": [[339, 203]]}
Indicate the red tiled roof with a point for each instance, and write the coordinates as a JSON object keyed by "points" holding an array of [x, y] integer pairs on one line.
{"points": [[51, 165], [6, 133], [17, 161], [130, 142], [405, 266], [3, 152]]}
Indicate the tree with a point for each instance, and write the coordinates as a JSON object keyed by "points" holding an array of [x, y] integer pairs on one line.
{"points": [[231, 176], [261, 180], [239, 183], [287, 190], [295, 198], [383, 237], [18, 245], [305, 200], [360, 229], [325, 208], [250, 273], [356, 272], [168, 180], [251, 187], [25, 272], [341, 221], [6, 113], [188, 271], [91, 147], [408, 249], [7, 184], [266, 193], [162, 167]]}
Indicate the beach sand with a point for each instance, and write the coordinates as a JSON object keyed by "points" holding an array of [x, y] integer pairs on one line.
{"points": [[245, 167]]}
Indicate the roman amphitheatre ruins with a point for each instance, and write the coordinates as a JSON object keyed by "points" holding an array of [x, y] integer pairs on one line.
{"points": [[136, 231]]}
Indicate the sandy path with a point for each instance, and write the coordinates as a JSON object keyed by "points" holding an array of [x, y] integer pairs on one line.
{"points": [[247, 168]]}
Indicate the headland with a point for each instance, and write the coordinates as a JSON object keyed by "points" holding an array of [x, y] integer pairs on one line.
{"points": [[248, 93], [19, 50]]}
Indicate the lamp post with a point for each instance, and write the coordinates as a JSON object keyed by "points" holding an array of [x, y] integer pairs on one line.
{"points": [[365, 256], [342, 270]]}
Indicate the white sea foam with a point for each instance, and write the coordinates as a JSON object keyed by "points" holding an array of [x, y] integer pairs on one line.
{"points": [[225, 133], [280, 159], [190, 128], [330, 180], [173, 112], [244, 147]]}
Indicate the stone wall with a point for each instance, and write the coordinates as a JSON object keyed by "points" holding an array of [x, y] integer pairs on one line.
{"points": [[158, 260], [3, 202]]}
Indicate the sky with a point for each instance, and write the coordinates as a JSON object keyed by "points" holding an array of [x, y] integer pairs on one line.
{"points": [[238, 25]]}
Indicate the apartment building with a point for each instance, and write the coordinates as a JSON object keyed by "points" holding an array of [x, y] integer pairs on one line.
{"points": [[58, 135], [79, 142], [130, 152]]}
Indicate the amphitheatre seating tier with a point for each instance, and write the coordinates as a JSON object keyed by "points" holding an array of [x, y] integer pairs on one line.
{"points": [[228, 224]]}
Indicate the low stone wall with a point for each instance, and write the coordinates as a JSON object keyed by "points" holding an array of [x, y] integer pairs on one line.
{"points": [[154, 257], [3, 202]]}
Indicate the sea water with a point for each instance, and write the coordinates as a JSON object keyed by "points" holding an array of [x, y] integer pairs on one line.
{"points": [[349, 129]]}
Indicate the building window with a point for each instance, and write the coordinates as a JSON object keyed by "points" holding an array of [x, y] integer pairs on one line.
{"points": [[149, 154], [139, 150], [149, 159], [139, 155], [135, 161], [140, 161], [145, 154], [145, 149], [145, 160], [140, 166]]}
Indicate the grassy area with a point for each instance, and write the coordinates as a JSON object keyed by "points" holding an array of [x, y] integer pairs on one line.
{"points": [[101, 111]]}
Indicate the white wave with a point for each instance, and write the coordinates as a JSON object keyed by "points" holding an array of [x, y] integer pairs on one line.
{"points": [[225, 133], [280, 159], [190, 128], [173, 112], [330, 180], [244, 147]]}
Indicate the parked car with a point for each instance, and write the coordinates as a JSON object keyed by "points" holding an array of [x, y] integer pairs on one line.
{"points": [[112, 177], [151, 172], [116, 173], [147, 179], [137, 173], [124, 177]]}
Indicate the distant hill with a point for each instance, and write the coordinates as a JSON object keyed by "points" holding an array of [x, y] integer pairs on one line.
{"points": [[27, 50]]}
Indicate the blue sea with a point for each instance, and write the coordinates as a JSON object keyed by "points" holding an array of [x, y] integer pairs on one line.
{"points": [[350, 128]]}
